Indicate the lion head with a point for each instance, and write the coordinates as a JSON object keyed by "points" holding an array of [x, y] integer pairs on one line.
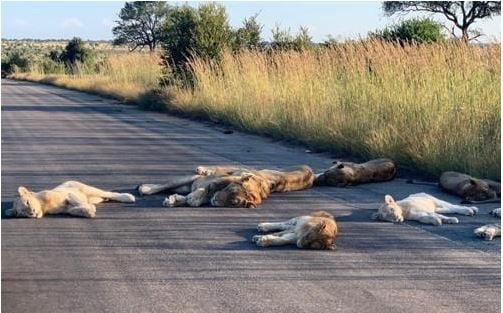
{"points": [[478, 190], [25, 205], [320, 236], [390, 211], [247, 192]]}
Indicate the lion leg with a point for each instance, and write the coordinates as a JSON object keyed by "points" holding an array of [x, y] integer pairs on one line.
{"points": [[274, 240], [458, 209], [88, 211], [93, 192], [198, 197], [277, 234], [78, 207], [447, 219], [218, 170], [426, 218], [496, 212], [175, 182], [446, 207], [488, 232], [268, 227]]}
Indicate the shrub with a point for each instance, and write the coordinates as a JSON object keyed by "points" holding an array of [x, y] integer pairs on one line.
{"points": [[414, 30], [203, 32], [75, 51], [14, 63]]}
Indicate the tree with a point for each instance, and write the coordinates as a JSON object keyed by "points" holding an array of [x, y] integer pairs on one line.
{"points": [[75, 51], [413, 30], [248, 35], [282, 39], [140, 24], [203, 32], [461, 13]]}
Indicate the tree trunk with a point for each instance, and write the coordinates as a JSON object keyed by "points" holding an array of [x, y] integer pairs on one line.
{"points": [[464, 35]]}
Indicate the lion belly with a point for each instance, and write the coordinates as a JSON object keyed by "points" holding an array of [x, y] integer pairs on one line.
{"points": [[55, 201], [416, 204]]}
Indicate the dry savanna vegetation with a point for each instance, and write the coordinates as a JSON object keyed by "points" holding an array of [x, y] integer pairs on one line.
{"points": [[432, 107]]}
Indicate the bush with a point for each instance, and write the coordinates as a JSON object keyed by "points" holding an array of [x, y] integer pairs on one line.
{"points": [[203, 32], [14, 63], [413, 30], [284, 40], [75, 52]]}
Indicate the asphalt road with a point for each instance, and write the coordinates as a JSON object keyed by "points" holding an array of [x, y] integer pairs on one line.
{"points": [[146, 258]]}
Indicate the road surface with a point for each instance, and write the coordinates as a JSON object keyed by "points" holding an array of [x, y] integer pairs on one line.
{"points": [[143, 257]]}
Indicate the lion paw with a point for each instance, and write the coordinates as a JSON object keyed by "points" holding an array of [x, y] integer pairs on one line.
{"points": [[256, 238], [451, 220], [496, 212], [127, 198], [262, 228], [203, 170], [90, 211], [145, 189], [169, 201], [264, 241]]}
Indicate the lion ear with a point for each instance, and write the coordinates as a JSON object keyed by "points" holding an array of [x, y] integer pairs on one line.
{"points": [[473, 181], [341, 165], [246, 177], [23, 191], [388, 199]]}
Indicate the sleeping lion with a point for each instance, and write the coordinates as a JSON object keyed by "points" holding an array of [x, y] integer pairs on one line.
{"points": [[471, 189], [314, 231], [421, 207], [71, 197], [229, 186], [343, 174], [490, 231]]}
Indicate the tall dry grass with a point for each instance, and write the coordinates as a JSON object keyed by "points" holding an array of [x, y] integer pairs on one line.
{"points": [[430, 107], [123, 76]]}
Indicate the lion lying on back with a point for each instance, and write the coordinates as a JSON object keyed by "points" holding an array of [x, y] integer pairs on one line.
{"points": [[71, 197], [471, 189], [342, 174], [314, 231], [230, 186], [421, 207]]}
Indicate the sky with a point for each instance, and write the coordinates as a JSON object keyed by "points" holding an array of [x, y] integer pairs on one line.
{"points": [[94, 20]]}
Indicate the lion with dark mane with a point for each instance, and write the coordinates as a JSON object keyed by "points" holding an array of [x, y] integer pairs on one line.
{"points": [[230, 186], [471, 189]]}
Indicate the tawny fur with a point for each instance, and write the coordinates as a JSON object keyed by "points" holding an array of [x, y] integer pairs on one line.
{"points": [[71, 197], [469, 188], [421, 207], [314, 231], [343, 174], [490, 231], [230, 186]]}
